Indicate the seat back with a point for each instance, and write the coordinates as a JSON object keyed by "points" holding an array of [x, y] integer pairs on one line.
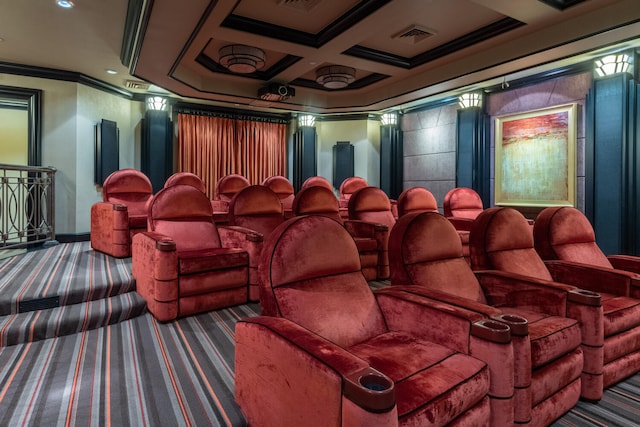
{"points": [[283, 188], [462, 202], [351, 185], [563, 232], [425, 250], [316, 200], [185, 178], [183, 213], [317, 181], [229, 185], [371, 204], [501, 239], [310, 274], [416, 199], [258, 208], [128, 187]]}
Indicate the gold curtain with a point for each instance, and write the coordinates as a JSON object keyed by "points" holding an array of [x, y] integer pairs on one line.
{"points": [[212, 147]]}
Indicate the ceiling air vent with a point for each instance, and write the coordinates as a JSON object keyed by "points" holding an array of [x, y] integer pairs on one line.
{"points": [[302, 5], [414, 34], [136, 84]]}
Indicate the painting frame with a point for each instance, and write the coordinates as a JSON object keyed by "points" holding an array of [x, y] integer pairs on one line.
{"points": [[535, 157]]}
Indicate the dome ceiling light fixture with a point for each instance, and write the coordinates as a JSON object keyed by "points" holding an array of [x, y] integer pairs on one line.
{"points": [[239, 58], [335, 76]]}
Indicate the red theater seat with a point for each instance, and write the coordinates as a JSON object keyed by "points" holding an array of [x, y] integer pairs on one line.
{"points": [[180, 265], [501, 239], [565, 239], [185, 178], [254, 212], [328, 351], [317, 200], [347, 188], [122, 213], [283, 188], [226, 188], [371, 205], [425, 250]]}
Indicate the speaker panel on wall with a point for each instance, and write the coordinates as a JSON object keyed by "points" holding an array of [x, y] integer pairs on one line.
{"points": [[342, 162], [107, 146]]}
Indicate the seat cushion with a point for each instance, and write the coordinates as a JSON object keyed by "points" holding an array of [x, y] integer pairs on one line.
{"points": [[427, 376], [551, 336], [199, 261]]}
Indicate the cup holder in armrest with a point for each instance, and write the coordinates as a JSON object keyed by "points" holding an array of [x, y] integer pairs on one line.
{"points": [[583, 296], [518, 324], [371, 390], [491, 330]]}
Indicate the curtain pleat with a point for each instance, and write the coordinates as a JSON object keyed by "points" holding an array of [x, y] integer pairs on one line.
{"points": [[212, 147]]}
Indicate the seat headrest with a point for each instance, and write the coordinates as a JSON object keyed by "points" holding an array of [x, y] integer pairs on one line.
{"points": [[462, 199], [255, 200], [369, 199], [352, 184], [126, 181], [502, 229], [425, 236], [185, 178], [317, 181], [316, 200], [416, 199], [279, 185], [180, 202], [297, 250], [229, 185]]}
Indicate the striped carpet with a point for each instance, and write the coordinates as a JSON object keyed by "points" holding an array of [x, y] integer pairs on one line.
{"points": [[140, 372]]}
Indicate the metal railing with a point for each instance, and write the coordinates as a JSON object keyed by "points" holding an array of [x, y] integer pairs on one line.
{"points": [[27, 200]]}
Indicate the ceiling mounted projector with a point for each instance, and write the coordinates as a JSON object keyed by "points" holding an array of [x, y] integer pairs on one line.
{"points": [[276, 92]]}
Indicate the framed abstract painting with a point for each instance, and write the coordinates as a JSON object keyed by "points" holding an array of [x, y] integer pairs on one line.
{"points": [[535, 157]]}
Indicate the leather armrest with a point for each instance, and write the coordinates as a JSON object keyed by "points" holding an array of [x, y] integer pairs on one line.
{"points": [[354, 373], [237, 233], [596, 279]]}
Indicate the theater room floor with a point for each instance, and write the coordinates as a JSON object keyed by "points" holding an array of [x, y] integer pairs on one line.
{"points": [[138, 372]]}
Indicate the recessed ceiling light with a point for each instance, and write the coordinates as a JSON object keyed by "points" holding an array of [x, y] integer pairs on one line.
{"points": [[67, 4], [110, 71]]}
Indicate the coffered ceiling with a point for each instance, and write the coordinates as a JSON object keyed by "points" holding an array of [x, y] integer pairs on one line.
{"points": [[402, 51]]}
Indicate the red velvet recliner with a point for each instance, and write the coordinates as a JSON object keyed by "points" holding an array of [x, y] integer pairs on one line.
{"points": [[347, 188], [317, 200], [284, 189], [425, 250], [179, 264], [501, 239], [565, 239], [317, 180], [254, 212], [416, 199], [327, 351], [226, 187], [122, 213], [371, 204]]}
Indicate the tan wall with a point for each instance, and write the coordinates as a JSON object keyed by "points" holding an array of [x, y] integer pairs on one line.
{"points": [[14, 136]]}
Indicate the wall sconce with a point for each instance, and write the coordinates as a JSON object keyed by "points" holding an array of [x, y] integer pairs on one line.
{"points": [[307, 120], [613, 64], [156, 103], [468, 100], [389, 119]]}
